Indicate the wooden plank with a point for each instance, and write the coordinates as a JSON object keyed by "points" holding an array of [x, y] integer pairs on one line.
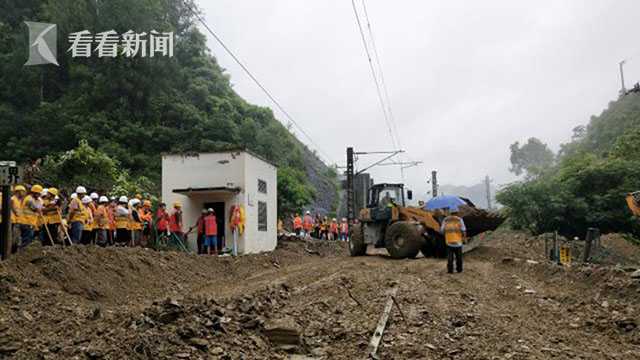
{"points": [[372, 349]]}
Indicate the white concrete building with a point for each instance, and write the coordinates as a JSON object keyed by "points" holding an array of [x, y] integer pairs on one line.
{"points": [[221, 180]]}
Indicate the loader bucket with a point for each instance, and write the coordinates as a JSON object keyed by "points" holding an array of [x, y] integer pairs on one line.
{"points": [[479, 220]]}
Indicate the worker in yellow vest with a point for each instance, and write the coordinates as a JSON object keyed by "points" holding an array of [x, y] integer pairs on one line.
{"points": [[31, 211], [77, 214], [19, 192], [51, 215], [454, 232], [123, 234], [87, 230], [135, 222]]}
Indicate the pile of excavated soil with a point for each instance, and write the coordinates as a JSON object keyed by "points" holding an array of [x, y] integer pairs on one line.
{"points": [[311, 300]]}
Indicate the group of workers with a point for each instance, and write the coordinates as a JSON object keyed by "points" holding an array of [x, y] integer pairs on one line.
{"points": [[320, 227], [87, 218]]}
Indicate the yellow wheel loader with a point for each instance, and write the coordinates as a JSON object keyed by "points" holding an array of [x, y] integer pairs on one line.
{"points": [[404, 231]]}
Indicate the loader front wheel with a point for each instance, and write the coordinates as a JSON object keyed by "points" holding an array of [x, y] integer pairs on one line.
{"points": [[428, 247], [402, 240], [357, 246]]}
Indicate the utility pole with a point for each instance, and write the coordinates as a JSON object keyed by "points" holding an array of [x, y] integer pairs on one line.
{"points": [[434, 183], [623, 90], [351, 214], [487, 184]]}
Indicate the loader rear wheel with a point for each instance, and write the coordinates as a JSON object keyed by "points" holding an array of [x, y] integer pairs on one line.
{"points": [[402, 240], [357, 246]]}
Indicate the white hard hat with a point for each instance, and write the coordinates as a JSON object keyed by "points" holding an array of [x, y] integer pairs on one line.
{"points": [[74, 196], [81, 190], [86, 199], [103, 199], [308, 212], [135, 202], [123, 199], [44, 192], [94, 195]]}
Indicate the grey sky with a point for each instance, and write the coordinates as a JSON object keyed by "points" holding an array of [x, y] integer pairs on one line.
{"points": [[466, 78]]}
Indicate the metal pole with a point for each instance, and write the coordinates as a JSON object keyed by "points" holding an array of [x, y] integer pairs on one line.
{"points": [[350, 195], [434, 183], [623, 89], [5, 233], [487, 183]]}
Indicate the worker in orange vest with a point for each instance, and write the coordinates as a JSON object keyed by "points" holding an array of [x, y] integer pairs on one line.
{"points": [[210, 232], [297, 224], [101, 221], [454, 232], [333, 229], [175, 220], [146, 216], [344, 230], [111, 215], [307, 224]]}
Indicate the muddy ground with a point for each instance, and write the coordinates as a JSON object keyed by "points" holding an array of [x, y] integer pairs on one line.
{"points": [[509, 303]]}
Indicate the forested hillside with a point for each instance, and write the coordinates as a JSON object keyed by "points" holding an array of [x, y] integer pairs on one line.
{"points": [[132, 109], [586, 184]]}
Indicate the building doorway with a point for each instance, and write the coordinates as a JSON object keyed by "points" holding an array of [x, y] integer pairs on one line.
{"points": [[218, 207]]}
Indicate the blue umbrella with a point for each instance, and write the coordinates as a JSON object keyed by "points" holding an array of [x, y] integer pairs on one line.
{"points": [[444, 201]]}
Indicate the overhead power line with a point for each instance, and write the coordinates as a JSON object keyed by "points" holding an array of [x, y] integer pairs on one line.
{"points": [[373, 74], [255, 80], [382, 81]]}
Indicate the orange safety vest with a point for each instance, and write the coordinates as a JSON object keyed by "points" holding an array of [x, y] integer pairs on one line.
{"points": [[133, 224], [101, 218], [453, 230], [89, 222], [308, 222], [297, 223], [334, 227], [175, 221], [111, 217]]}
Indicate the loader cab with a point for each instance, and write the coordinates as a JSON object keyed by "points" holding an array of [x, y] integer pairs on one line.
{"points": [[382, 198], [386, 195]]}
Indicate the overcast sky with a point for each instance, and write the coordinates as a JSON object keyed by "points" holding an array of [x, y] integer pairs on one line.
{"points": [[465, 78]]}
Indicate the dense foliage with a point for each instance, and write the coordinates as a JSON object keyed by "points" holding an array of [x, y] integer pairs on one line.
{"points": [[587, 185], [129, 109], [531, 158]]}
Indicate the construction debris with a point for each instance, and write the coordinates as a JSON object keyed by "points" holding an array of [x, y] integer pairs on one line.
{"points": [[93, 303], [372, 349]]}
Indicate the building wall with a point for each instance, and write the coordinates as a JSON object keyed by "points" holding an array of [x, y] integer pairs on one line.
{"points": [[257, 169], [230, 169]]}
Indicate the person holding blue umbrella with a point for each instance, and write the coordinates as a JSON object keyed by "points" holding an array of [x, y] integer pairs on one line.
{"points": [[454, 232]]}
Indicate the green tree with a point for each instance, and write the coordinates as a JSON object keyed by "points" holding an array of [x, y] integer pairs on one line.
{"points": [[531, 158], [83, 165], [129, 109]]}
